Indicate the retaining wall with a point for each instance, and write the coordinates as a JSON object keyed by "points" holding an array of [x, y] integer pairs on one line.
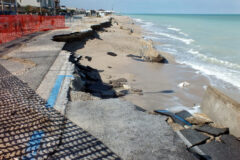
{"points": [[222, 109]]}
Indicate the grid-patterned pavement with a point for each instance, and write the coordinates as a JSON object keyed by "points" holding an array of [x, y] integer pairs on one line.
{"points": [[30, 130]]}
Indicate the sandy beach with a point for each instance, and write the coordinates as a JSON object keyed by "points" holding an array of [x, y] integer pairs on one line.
{"points": [[158, 82]]}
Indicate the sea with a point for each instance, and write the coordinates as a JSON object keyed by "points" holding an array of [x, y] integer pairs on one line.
{"points": [[208, 43]]}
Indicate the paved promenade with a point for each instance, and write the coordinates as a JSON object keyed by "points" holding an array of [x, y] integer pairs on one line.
{"points": [[30, 129]]}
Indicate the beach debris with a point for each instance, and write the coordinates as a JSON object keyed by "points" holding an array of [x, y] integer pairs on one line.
{"points": [[88, 58], [212, 130], [176, 118], [121, 27], [183, 84], [199, 119], [118, 83], [193, 137], [137, 91], [133, 56], [109, 67], [112, 54], [126, 87]]}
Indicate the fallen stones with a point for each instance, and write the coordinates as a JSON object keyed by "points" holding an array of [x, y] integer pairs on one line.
{"points": [[111, 54], [193, 137], [212, 130], [137, 91], [118, 83], [199, 119]]}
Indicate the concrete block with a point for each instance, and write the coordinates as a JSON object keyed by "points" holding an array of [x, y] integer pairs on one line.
{"points": [[193, 137], [219, 151], [222, 109], [212, 130]]}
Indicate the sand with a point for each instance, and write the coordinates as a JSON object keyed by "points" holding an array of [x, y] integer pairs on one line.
{"points": [[159, 82]]}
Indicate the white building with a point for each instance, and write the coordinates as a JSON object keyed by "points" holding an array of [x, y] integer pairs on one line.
{"points": [[37, 3]]}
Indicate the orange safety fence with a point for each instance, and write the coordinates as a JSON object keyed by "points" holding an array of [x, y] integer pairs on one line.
{"points": [[16, 26]]}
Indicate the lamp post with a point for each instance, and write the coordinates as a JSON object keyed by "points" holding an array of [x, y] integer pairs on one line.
{"points": [[16, 7], [2, 6]]}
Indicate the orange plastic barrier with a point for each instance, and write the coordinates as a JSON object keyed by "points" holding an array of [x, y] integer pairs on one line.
{"points": [[16, 26]]}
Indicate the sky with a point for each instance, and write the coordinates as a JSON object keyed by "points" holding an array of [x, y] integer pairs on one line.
{"points": [[159, 6]]}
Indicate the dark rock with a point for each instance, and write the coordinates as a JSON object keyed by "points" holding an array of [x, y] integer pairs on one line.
{"points": [[77, 84], [98, 87], [93, 76], [184, 114], [112, 54], [194, 137], [88, 58], [158, 59], [108, 94], [109, 67], [212, 130]]}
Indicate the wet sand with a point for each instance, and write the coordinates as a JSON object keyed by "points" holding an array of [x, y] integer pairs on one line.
{"points": [[159, 82]]}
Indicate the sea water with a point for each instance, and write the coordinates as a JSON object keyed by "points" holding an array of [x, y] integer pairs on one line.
{"points": [[208, 43]]}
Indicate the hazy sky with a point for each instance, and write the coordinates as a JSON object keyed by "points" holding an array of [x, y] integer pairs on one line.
{"points": [[159, 6]]}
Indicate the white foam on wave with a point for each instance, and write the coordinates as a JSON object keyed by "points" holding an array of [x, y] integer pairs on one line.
{"points": [[184, 40], [214, 60], [219, 72], [138, 20], [174, 29]]}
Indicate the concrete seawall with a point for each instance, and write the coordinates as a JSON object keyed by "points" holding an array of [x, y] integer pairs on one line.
{"points": [[222, 109]]}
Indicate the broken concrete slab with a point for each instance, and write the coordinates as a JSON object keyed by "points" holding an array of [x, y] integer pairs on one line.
{"points": [[193, 137], [219, 151], [175, 118], [131, 133], [230, 140], [212, 130], [184, 114]]}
